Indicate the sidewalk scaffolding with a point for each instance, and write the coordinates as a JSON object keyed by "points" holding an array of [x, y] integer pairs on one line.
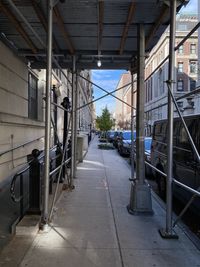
{"points": [[91, 226]]}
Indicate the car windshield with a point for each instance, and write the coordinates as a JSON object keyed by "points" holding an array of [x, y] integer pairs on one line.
{"points": [[111, 133], [147, 144], [127, 135]]}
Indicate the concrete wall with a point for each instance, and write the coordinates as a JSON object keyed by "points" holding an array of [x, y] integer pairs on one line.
{"points": [[15, 126]]}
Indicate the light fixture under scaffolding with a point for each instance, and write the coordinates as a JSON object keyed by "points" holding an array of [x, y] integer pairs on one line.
{"points": [[99, 63]]}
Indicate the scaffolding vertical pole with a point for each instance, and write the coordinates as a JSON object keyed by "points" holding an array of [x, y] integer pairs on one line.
{"points": [[168, 231], [47, 118], [132, 128], [75, 121], [73, 128], [140, 197]]}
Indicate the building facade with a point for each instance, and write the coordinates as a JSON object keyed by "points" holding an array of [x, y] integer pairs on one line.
{"points": [[186, 65], [123, 111], [22, 105]]}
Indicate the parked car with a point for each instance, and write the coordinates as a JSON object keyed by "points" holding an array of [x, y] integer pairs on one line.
{"points": [[115, 138], [147, 155], [186, 168], [110, 136], [124, 142]]}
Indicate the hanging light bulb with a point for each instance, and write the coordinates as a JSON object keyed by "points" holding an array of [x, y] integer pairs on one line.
{"points": [[99, 63]]}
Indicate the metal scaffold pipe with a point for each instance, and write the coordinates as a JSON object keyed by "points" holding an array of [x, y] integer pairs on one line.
{"points": [[101, 97], [73, 131], [108, 93], [47, 117], [132, 127], [18, 12], [168, 231], [140, 196], [140, 175], [75, 120]]}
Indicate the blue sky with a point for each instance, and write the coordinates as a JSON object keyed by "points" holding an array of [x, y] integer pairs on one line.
{"points": [[108, 79], [191, 7]]}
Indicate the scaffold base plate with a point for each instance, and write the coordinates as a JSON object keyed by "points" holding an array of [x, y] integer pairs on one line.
{"points": [[140, 199], [166, 235]]}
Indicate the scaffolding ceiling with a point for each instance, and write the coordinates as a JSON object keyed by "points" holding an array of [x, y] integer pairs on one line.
{"points": [[89, 29]]}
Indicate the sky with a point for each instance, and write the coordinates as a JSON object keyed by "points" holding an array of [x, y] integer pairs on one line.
{"points": [[108, 79], [191, 7]]}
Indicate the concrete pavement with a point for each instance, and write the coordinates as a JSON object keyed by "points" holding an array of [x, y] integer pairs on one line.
{"points": [[91, 225]]}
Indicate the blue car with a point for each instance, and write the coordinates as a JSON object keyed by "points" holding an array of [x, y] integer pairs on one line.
{"points": [[110, 136], [147, 155], [124, 142]]}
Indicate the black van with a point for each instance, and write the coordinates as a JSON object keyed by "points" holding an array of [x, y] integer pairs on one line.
{"points": [[186, 168]]}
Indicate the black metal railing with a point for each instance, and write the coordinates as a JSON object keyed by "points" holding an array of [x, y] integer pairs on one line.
{"points": [[20, 175]]}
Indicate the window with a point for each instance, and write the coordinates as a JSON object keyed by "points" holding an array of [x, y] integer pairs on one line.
{"points": [[183, 136], [193, 67], [182, 27], [180, 66], [146, 92], [192, 84], [180, 49], [159, 113], [32, 97], [160, 131], [180, 85], [149, 89], [161, 81], [193, 49]]}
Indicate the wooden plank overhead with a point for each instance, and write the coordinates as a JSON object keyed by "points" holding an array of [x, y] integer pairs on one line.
{"points": [[126, 26], [100, 25], [43, 21], [5, 9], [86, 28], [63, 30]]}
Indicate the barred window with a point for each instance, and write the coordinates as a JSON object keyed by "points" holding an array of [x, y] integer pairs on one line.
{"points": [[193, 49], [180, 49], [180, 66], [193, 67], [180, 85]]}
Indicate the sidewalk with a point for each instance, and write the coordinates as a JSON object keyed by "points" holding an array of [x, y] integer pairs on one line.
{"points": [[91, 226]]}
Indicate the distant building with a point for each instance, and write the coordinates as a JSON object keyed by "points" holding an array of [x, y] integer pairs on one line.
{"points": [[186, 64], [123, 111]]}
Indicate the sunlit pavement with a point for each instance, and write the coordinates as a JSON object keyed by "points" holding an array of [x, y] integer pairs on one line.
{"points": [[91, 225]]}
